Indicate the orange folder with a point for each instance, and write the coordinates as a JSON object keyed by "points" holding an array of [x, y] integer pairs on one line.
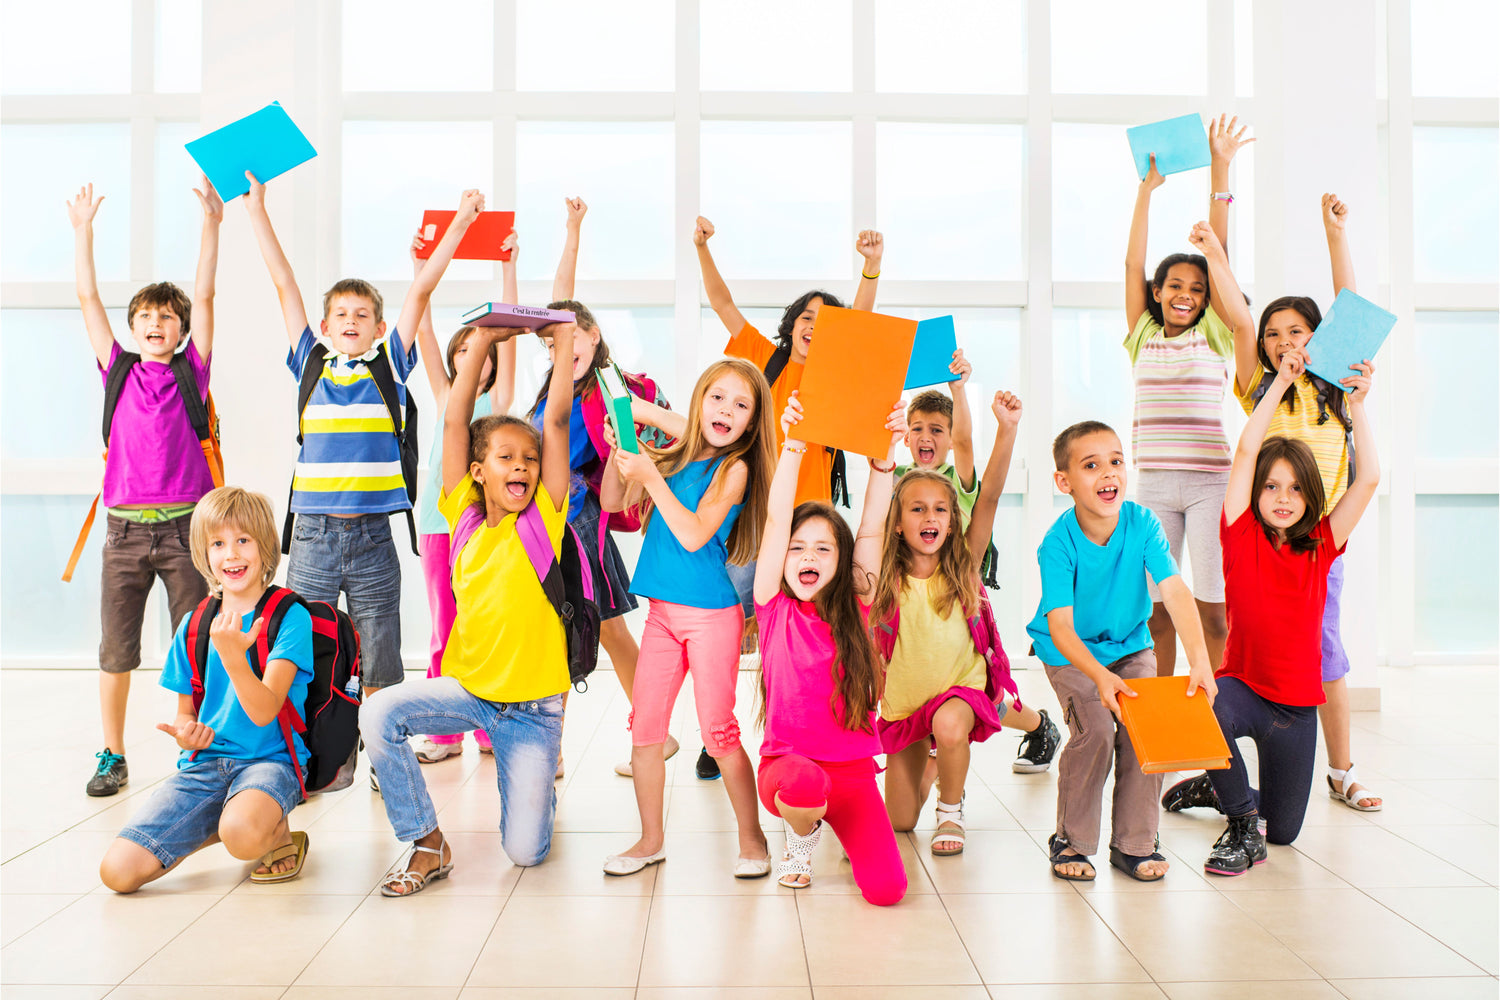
{"points": [[481, 240], [856, 366], [1170, 731]]}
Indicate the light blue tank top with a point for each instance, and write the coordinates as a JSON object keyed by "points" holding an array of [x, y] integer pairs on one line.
{"points": [[429, 521], [667, 571]]}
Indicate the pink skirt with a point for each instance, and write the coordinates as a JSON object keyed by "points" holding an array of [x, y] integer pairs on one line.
{"points": [[897, 736]]}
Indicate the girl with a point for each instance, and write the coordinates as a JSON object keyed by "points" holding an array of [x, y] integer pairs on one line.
{"points": [[506, 665], [946, 673], [821, 677], [696, 491], [497, 380], [1178, 345], [1279, 548]]}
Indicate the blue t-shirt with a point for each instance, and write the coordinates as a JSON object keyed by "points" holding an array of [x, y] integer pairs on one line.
{"points": [[581, 454], [429, 520], [1105, 585], [235, 736], [668, 572]]}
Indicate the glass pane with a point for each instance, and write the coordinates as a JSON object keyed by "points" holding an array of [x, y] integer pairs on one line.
{"points": [[1091, 371], [930, 177], [611, 46], [1105, 47], [97, 34], [39, 614], [421, 165], [73, 374], [1457, 396], [1016, 557], [778, 195], [395, 45], [1452, 48], [951, 46], [1093, 192], [1244, 48], [1457, 204], [715, 337], [39, 241], [179, 46], [639, 339], [1455, 542], [179, 217], [750, 47], [624, 170]]}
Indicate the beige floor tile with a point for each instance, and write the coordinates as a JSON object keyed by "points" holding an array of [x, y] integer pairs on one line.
{"points": [[370, 993], [1369, 857], [1285, 867], [451, 929], [983, 810], [1426, 989], [196, 992], [899, 993], [725, 993], [918, 943], [1293, 989], [20, 912], [1463, 846], [1477, 798], [480, 865], [604, 809], [121, 932], [1077, 991], [1034, 925], [1415, 802], [576, 868], [339, 862], [14, 843], [1466, 920], [546, 993], [702, 864], [54, 992], [756, 942], [697, 808], [833, 875], [66, 863], [992, 861], [536, 942]]}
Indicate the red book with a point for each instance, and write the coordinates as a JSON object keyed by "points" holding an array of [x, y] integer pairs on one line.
{"points": [[481, 241]]}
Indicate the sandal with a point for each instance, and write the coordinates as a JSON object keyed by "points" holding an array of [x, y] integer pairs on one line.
{"points": [[797, 860], [950, 830], [297, 848], [417, 880], [1130, 864], [1055, 847], [1339, 783]]}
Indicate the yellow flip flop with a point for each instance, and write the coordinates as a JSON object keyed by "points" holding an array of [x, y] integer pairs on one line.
{"points": [[297, 847]]}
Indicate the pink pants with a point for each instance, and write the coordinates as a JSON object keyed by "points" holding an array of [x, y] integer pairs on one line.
{"points": [[855, 811], [677, 640], [440, 601]]}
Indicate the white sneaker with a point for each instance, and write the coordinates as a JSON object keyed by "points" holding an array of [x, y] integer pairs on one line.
{"points": [[429, 752]]}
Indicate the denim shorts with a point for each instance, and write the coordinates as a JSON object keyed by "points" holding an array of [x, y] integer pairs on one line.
{"points": [[185, 810], [357, 556]]}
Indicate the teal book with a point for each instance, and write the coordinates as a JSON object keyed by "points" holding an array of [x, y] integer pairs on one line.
{"points": [[617, 407]]}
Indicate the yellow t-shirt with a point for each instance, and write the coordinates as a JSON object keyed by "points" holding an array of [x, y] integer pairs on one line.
{"points": [[1325, 440], [507, 643], [932, 654]]}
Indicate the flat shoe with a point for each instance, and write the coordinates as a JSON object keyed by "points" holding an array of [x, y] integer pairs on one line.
{"points": [[624, 864], [669, 750], [752, 867], [297, 848]]}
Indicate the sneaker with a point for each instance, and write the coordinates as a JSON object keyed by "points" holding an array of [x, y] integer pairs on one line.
{"points": [[1238, 847], [1038, 747], [707, 768], [110, 776], [375, 783], [1190, 794], [429, 752]]}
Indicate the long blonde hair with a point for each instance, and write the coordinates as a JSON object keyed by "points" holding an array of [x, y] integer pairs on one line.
{"points": [[756, 447], [957, 578]]}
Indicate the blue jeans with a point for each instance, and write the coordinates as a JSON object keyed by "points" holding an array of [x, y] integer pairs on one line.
{"points": [[357, 556], [1286, 739], [185, 810], [743, 579], [527, 737]]}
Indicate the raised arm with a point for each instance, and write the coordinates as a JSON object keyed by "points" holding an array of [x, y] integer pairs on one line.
{"points": [[567, 265], [1007, 410], [428, 349], [871, 247], [1137, 283], [293, 312], [1223, 142], [81, 211], [780, 504], [555, 452], [1228, 301], [713, 283], [419, 295], [1240, 491], [963, 420], [1351, 506], [672, 423], [870, 538], [1335, 214], [456, 417], [503, 393], [208, 266]]}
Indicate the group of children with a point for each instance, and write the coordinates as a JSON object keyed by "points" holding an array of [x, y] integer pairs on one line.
{"points": [[873, 641]]}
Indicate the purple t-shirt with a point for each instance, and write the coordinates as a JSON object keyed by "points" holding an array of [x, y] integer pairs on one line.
{"points": [[796, 657], [154, 456]]}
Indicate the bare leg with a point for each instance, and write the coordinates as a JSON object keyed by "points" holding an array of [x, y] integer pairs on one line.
{"points": [[127, 865], [1025, 719], [1164, 635], [114, 692], [1215, 632], [1334, 715], [622, 649], [802, 822], [951, 725], [739, 783], [905, 786], [649, 772], [252, 825]]}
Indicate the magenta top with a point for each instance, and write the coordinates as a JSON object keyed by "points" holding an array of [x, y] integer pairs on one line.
{"points": [[796, 657], [154, 457]]}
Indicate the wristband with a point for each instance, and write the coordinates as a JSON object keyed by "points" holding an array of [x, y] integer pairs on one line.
{"points": [[876, 468], [872, 277], [1224, 196], [794, 451]]}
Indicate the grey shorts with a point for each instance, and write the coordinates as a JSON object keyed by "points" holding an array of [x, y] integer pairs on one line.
{"points": [[134, 556], [1189, 506]]}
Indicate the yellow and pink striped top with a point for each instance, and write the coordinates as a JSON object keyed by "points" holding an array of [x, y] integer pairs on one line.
{"points": [[1179, 394]]}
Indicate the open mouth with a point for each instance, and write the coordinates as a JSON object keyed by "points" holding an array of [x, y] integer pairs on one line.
{"points": [[1109, 494], [721, 428], [925, 456], [806, 340], [1282, 514], [235, 573], [155, 338], [928, 535], [808, 577], [517, 488], [1182, 309]]}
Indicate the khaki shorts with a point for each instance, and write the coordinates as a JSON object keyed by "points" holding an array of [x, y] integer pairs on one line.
{"points": [[134, 556]]}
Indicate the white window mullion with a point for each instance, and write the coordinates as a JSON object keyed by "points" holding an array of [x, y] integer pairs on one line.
{"points": [[688, 132], [1036, 337], [503, 128], [319, 193], [142, 142]]}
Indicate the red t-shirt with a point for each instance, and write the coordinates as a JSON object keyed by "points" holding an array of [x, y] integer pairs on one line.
{"points": [[1275, 601]]}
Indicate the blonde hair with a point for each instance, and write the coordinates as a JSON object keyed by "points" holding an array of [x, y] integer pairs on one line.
{"points": [[250, 513], [957, 578]]}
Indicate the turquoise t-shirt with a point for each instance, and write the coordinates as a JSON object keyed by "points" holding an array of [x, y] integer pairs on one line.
{"points": [[429, 521], [668, 572]]}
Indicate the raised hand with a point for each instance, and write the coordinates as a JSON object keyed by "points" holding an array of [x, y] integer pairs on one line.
{"points": [[1007, 408], [577, 209], [871, 246], [190, 736], [255, 198], [511, 244], [791, 417], [1359, 383], [961, 370], [896, 424], [82, 208], [227, 638], [634, 467], [1205, 240], [702, 231], [1153, 178], [417, 243], [469, 206], [1335, 213], [1223, 140], [213, 205], [1294, 363]]}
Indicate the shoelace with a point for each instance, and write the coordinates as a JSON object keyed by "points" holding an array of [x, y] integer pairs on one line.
{"points": [[108, 760]]}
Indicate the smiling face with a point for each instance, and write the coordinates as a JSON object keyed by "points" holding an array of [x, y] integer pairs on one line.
{"points": [[930, 438], [157, 330], [812, 558], [1279, 501], [585, 345], [802, 328], [1285, 330], [1095, 477], [350, 324], [509, 469], [462, 350], [1182, 296], [234, 560], [728, 408], [926, 516]]}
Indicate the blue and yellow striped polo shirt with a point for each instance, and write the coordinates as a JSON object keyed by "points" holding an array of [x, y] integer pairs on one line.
{"points": [[350, 461]]}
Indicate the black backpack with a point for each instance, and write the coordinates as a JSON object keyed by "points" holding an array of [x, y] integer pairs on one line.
{"points": [[405, 429], [839, 479], [328, 720]]}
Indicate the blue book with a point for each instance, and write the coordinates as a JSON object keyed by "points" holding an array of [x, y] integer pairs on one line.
{"points": [[266, 143], [1179, 144], [1351, 332], [932, 353]]}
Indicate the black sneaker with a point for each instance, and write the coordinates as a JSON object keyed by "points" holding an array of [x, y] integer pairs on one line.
{"points": [[1191, 793], [1038, 747], [111, 775], [1238, 847], [707, 768]]}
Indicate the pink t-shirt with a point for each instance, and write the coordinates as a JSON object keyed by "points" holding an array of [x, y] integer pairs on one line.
{"points": [[154, 457], [796, 657]]}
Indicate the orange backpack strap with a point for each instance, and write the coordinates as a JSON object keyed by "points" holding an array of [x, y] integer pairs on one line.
{"points": [[83, 536]]}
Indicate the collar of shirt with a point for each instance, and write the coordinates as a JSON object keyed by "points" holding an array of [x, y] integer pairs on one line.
{"points": [[337, 360]]}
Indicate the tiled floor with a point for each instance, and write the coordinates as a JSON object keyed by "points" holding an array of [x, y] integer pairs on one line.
{"points": [[1396, 904]]}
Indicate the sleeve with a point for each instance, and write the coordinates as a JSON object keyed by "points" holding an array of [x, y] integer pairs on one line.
{"points": [[1328, 552], [114, 352], [402, 361], [1144, 329], [1057, 565], [751, 346], [1159, 561], [966, 497], [200, 366], [177, 672], [296, 358], [554, 516], [294, 642], [452, 505], [1232, 536], [1219, 336]]}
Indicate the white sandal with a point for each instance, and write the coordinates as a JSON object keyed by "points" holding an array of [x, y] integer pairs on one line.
{"points": [[416, 880], [1339, 783], [797, 859], [950, 829]]}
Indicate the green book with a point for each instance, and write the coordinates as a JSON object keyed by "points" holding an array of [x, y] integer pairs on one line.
{"points": [[617, 407]]}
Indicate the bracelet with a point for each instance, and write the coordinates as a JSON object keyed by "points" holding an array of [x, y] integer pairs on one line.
{"points": [[872, 277], [1224, 196], [794, 451], [876, 468]]}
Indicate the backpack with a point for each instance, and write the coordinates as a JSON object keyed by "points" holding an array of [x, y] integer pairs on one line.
{"points": [[328, 719], [201, 414], [838, 484], [986, 634], [1324, 389], [569, 585], [404, 429]]}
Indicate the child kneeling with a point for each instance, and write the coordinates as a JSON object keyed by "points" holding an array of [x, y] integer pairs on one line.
{"points": [[235, 780]]}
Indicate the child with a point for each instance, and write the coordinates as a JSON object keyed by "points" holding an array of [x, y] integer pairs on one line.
{"points": [[821, 678], [1178, 345], [506, 664], [720, 465], [496, 388], [154, 470], [1278, 550], [1091, 632], [349, 478], [235, 781]]}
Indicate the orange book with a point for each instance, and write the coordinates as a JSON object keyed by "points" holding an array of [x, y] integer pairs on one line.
{"points": [[481, 240], [1170, 731], [856, 367]]}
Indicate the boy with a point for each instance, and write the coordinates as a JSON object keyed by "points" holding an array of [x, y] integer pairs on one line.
{"points": [[155, 469], [234, 780], [348, 479], [1091, 632]]}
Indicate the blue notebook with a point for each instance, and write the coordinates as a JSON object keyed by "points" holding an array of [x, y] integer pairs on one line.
{"points": [[932, 353], [1179, 144], [266, 143], [1352, 332]]}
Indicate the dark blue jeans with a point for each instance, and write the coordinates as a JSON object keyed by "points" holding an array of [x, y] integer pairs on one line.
{"points": [[1286, 739]]}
